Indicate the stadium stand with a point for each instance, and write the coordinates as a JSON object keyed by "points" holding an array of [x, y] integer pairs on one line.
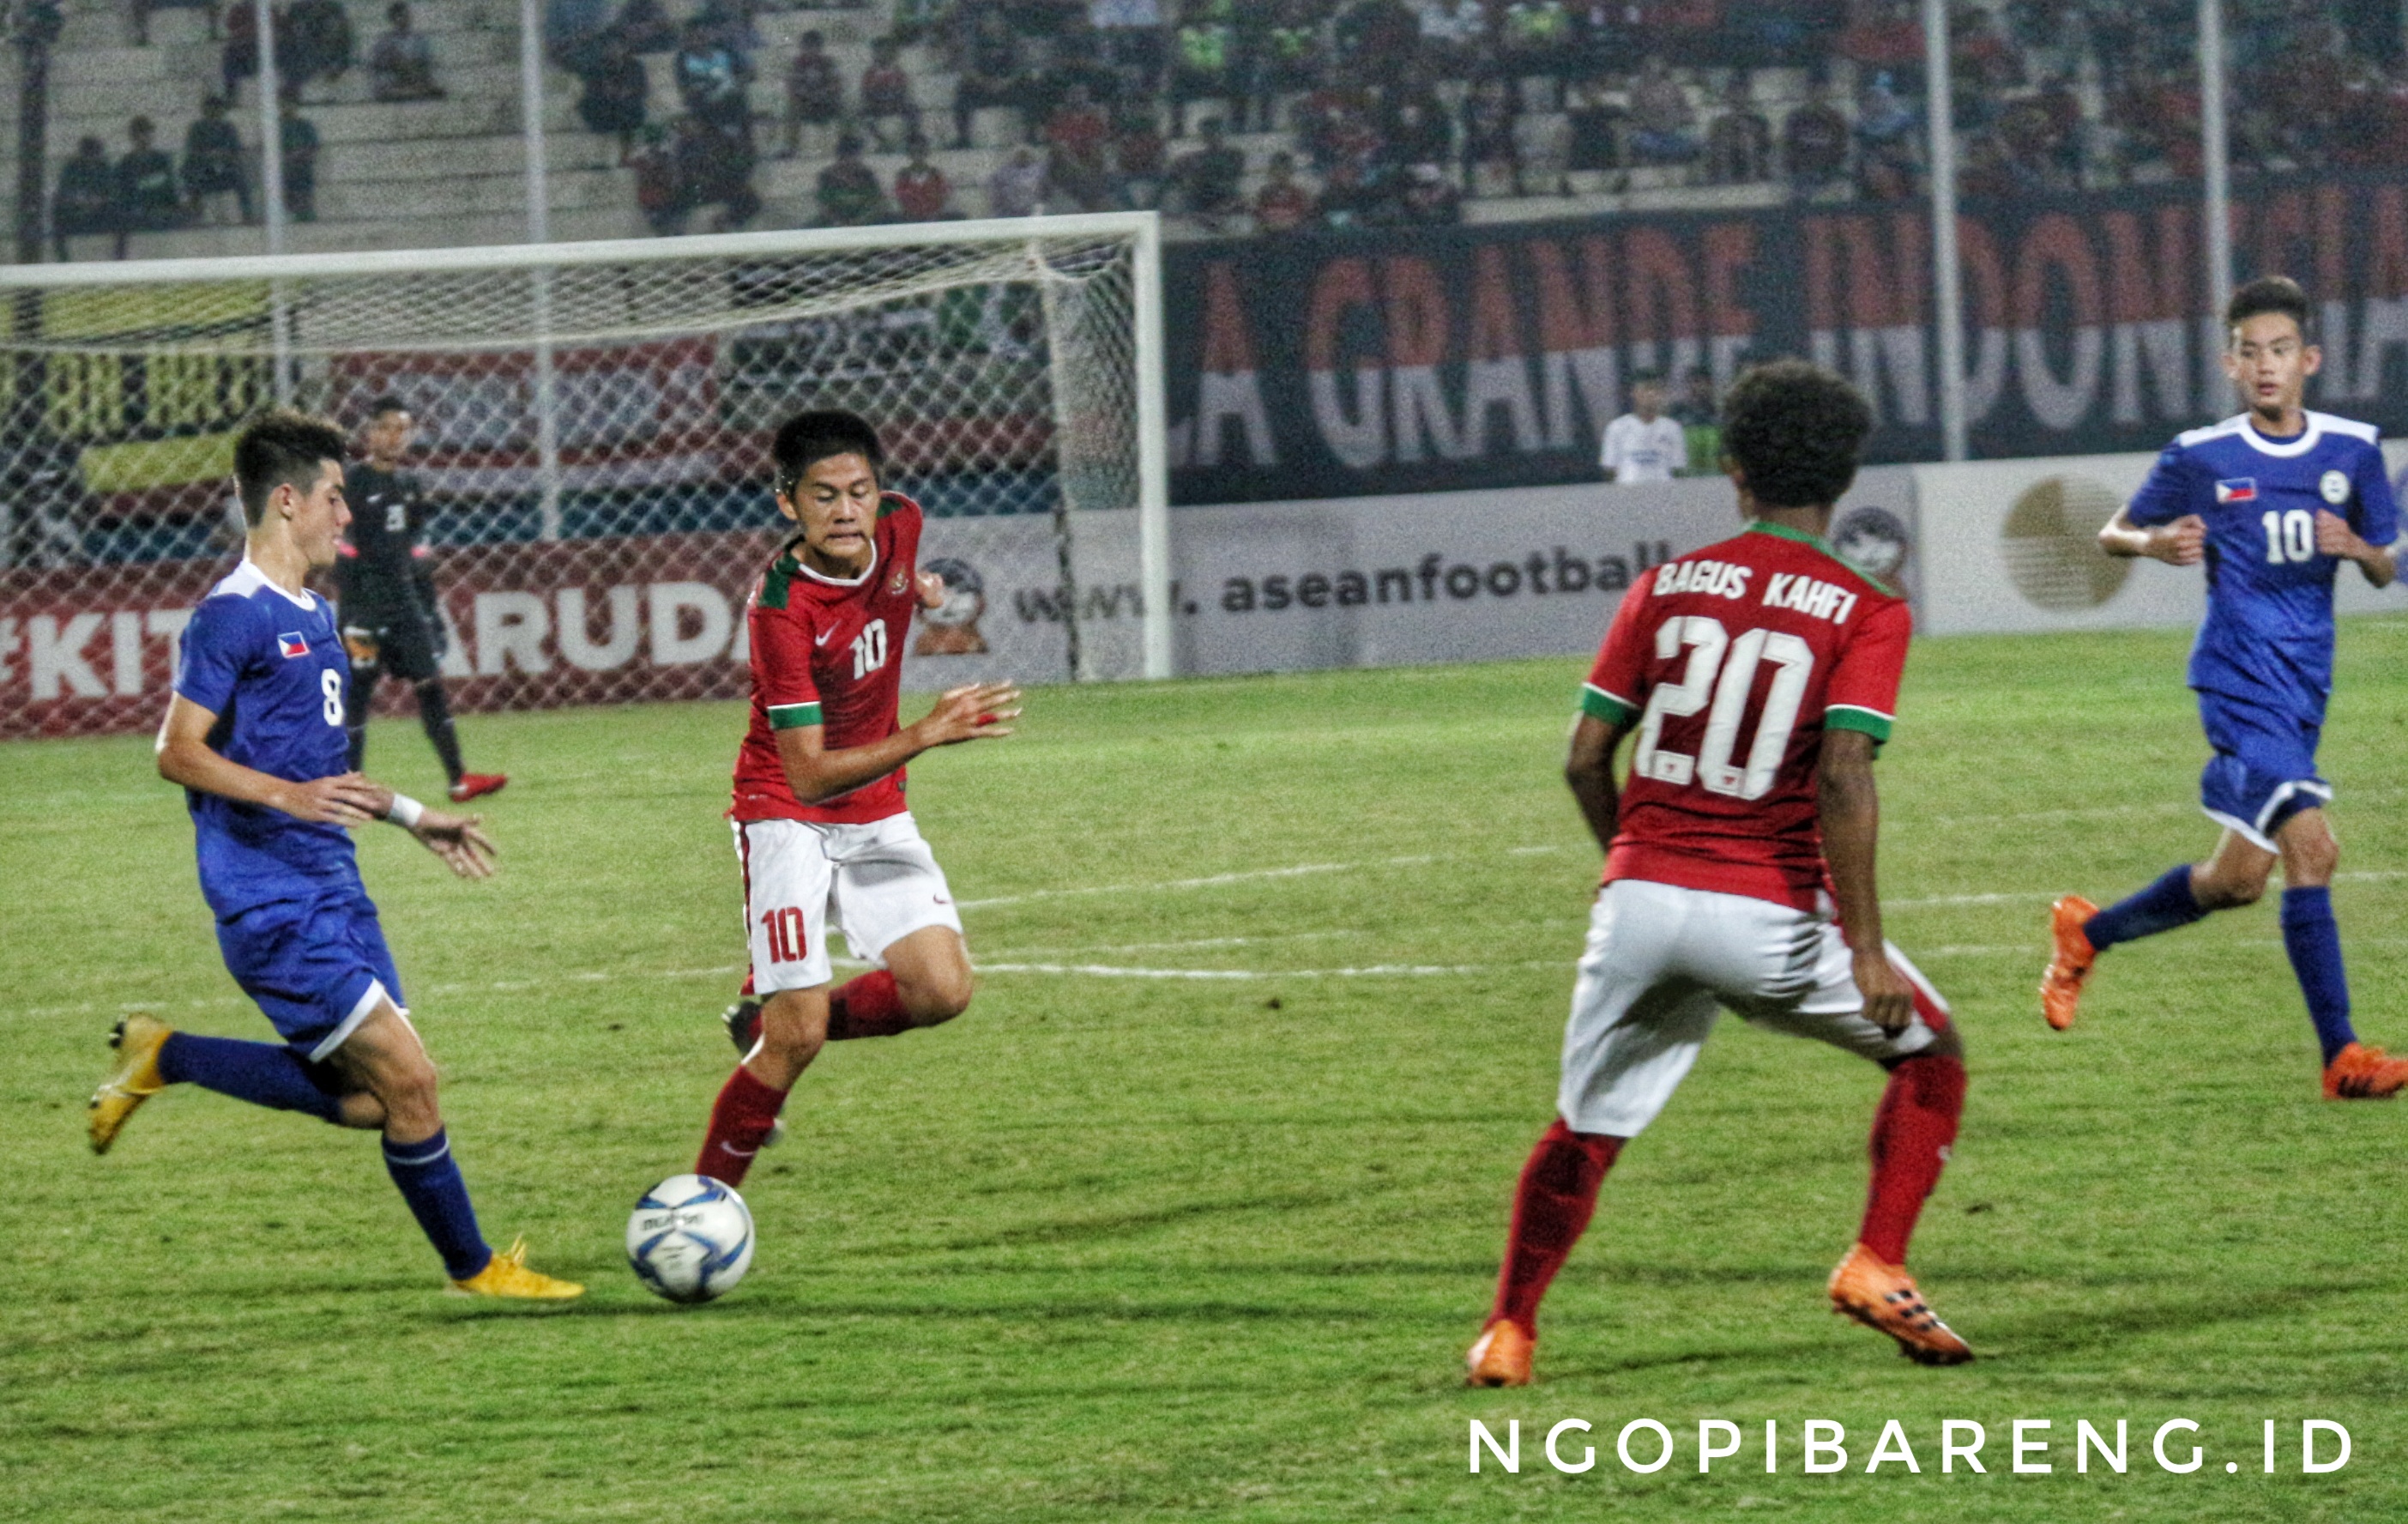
{"points": [[1388, 112]]}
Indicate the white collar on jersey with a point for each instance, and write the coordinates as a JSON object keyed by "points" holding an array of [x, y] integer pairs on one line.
{"points": [[871, 570], [2283, 448], [247, 578]]}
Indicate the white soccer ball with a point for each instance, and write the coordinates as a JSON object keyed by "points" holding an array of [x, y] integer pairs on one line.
{"points": [[690, 1239]]}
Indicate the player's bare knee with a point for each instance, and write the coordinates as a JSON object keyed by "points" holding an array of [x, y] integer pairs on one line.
{"points": [[2309, 862], [794, 1027], [408, 1087], [2227, 891], [1945, 1043], [361, 1109], [935, 997]]}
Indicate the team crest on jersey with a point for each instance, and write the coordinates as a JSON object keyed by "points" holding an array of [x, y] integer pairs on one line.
{"points": [[896, 583], [2239, 490], [291, 646], [2334, 485]]}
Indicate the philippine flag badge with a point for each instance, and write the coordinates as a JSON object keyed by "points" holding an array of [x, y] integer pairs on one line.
{"points": [[2239, 490], [292, 645]]}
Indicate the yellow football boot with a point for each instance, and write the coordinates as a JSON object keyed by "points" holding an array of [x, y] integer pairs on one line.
{"points": [[507, 1275], [134, 1080]]}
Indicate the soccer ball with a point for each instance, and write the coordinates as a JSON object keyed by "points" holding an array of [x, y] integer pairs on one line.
{"points": [[690, 1239]]}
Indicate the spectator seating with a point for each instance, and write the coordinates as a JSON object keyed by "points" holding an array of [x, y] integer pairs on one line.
{"points": [[2038, 108]]}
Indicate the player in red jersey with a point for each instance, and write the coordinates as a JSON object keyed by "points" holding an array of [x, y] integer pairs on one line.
{"points": [[1760, 675], [819, 815]]}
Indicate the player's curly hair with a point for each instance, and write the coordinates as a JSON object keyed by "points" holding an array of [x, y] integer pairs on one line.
{"points": [[1795, 430], [2272, 293], [815, 436], [281, 448]]}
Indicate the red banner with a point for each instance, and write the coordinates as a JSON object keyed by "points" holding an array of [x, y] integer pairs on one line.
{"points": [[615, 620]]}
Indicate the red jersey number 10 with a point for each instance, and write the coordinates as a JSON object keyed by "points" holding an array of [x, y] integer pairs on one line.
{"points": [[869, 648], [1709, 645], [787, 942]]}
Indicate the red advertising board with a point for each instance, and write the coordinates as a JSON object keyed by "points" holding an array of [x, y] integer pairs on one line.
{"points": [[613, 620]]}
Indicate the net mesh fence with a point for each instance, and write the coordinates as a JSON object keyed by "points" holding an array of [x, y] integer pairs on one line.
{"points": [[593, 440]]}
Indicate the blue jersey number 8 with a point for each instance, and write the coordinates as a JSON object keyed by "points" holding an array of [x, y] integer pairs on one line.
{"points": [[331, 682], [2289, 536]]}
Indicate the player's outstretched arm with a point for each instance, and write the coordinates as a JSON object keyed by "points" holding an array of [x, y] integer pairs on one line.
{"points": [[2335, 537], [185, 757], [455, 839], [2181, 543], [1589, 772], [1849, 812], [979, 711]]}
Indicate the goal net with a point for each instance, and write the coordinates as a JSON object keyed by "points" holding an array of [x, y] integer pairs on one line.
{"points": [[593, 430]]}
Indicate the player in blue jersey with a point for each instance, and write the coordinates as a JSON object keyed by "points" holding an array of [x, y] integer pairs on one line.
{"points": [[2273, 501], [254, 733]]}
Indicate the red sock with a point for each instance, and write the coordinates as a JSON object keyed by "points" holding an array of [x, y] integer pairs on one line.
{"points": [[1913, 1128], [1551, 1207], [867, 1007], [740, 1119]]}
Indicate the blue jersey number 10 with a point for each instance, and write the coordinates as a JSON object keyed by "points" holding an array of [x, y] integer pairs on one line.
{"points": [[2289, 536]]}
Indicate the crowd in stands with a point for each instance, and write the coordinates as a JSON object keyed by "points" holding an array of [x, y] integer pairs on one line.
{"points": [[146, 189], [1387, 113], [1278, 116]]}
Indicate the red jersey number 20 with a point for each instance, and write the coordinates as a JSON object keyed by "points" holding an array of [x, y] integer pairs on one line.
{"points": [[1713, 653]]}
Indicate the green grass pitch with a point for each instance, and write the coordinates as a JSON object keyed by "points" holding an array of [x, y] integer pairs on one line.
{"points": [[1119, 1247]]}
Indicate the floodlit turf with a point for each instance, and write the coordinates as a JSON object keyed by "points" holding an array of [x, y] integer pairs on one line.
{"points": [[1116, 1247]]}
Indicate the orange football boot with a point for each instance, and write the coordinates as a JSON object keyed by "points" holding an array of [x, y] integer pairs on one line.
{"points": [[1882, 1298], [2070, 965], [2359, 1072], [1501, 1357]]}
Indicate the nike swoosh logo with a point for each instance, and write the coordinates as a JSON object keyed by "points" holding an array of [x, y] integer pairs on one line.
{"points": [[941, 900], [823, 639]]}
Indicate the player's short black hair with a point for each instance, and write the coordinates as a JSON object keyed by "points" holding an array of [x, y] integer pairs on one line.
{"points": [[279, 448], [815, 436], [1646, 377], [2271, 294], [1795, 429], [390, 402]]}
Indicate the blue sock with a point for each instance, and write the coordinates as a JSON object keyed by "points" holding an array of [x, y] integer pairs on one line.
{"points": [[2313, 938], [2162, 906], [430, 1182], [262, 1074]]}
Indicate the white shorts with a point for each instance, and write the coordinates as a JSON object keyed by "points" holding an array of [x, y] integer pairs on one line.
{"points": [[878, 880], [1660, 962]]}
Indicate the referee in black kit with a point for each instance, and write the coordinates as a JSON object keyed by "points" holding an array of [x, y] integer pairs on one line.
{"points": [[390, 618]]}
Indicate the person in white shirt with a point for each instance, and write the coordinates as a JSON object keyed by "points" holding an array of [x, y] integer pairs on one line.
{"points": [[1643, 445]]}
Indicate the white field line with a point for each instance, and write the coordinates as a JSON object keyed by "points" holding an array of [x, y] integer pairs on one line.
{"points": [[1376, 971], [1212, 880], [1118, 971], [2383, 875], [1058, 955]]}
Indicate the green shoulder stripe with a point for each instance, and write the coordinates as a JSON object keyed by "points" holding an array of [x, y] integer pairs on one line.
{"points": [[792, 716], [1598, 704], [774, 582], [1849, 717]]}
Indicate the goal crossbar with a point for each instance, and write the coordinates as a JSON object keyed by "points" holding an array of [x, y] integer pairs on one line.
{"points": [[1001, 236]]}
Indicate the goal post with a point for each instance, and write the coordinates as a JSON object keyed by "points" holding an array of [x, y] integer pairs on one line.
{"points": [[593, 424]]}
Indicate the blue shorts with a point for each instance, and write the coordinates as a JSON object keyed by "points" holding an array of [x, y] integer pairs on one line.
{"points": [[2264, 770], [317, 965]]}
